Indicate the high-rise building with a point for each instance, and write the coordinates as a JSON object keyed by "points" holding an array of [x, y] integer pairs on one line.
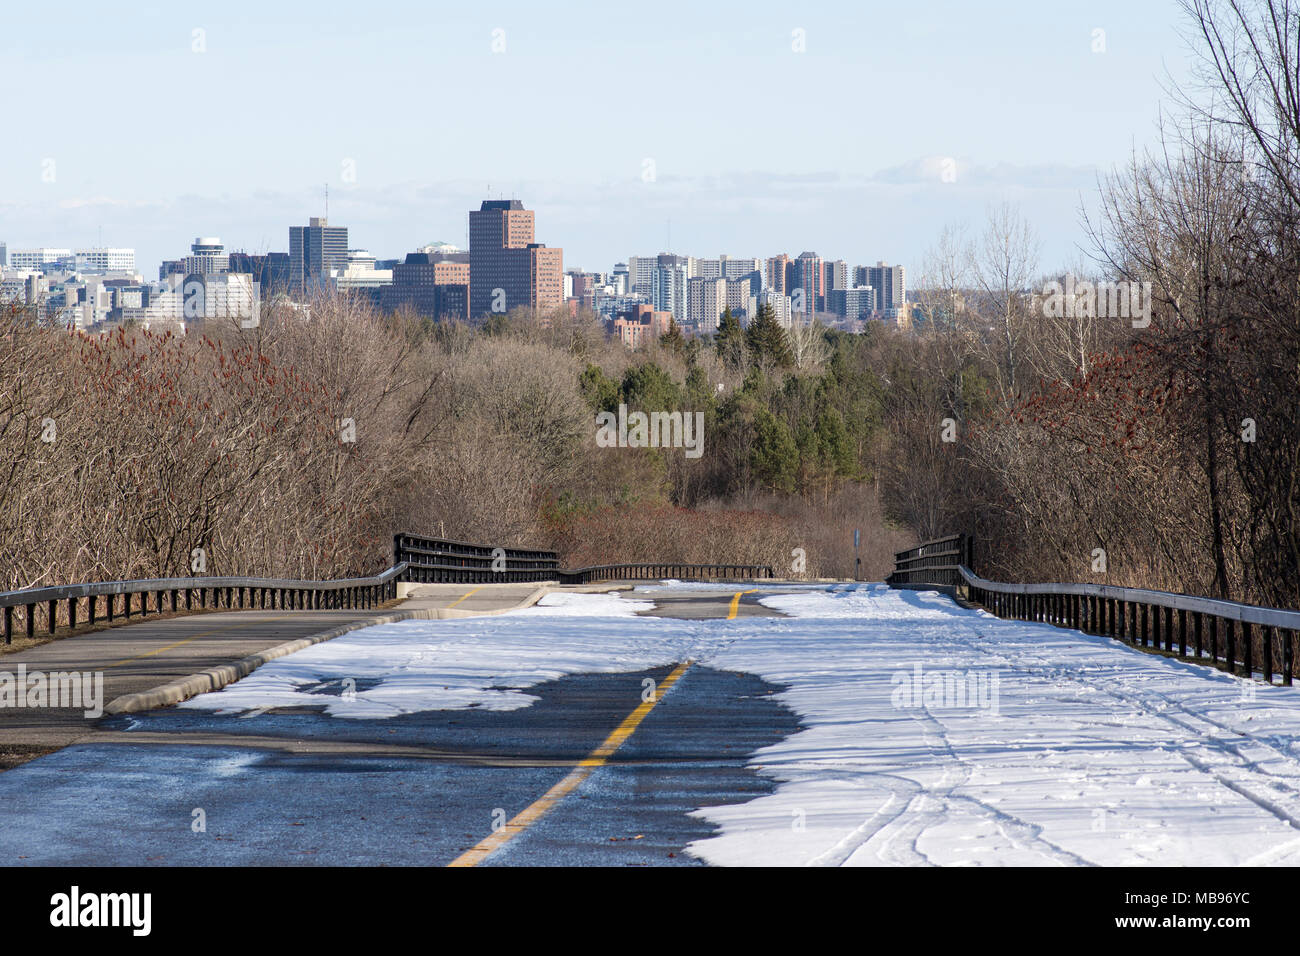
{"points": [[546, 276], [668, 289], [890, 285], [315, 249], [270, 271], [835, 275], [806, 289], [780, 305], [36, 258], [733, 268], [619, 279], [855, 303], [705, 300], [708, 269], [433, 284], [641, 274], [101, 259], [4, 255], [207, 257], [508, 268], [741, 296], [777, 273]]}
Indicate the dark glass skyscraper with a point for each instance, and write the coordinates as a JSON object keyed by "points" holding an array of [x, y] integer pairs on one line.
{"points": [[314, 249]]}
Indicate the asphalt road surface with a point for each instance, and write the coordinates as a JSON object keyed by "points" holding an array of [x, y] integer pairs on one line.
{"points": [[593, 773], [155, 650]]}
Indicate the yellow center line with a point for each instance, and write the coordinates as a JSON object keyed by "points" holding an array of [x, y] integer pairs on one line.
{"points": [[735, 603], [462, 597], [597, 758], [194, 637]]}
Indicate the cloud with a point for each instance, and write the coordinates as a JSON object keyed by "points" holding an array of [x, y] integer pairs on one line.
{"points": [[929, 170]]}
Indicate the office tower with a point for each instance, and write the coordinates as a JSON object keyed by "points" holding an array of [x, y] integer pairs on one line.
{"points": [[4, 255], [508, 268], [314, 250], [100, 259], [270, 271], [35, 259], [433, 284]]}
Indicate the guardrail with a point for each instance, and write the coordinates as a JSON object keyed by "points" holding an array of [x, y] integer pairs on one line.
{"points": [[417, 560], [229, 592], [439, 561], [648, 572], [932, 562], [1226, 633]]}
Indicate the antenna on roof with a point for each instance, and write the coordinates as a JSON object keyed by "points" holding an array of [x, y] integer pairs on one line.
{"points": [[327, 202]]}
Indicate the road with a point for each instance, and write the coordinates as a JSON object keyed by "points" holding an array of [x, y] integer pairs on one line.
{"points": [[422, 788], [156, 650], [686, 724]]}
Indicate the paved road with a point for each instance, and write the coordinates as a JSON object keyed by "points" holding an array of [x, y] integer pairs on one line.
{"points": [[433, 787], [151, 652], [725, 601]]}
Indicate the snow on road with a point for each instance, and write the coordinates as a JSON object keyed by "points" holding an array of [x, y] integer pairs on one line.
{"points": [[932, 734]]}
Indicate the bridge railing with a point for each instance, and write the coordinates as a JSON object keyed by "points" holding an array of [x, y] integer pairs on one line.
{"points": [[932, 562], [230, 592], [656, 572], [1244, 639], [439, 561], [417, 560]]}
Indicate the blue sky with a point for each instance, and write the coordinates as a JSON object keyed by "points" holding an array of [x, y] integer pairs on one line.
{"points": [[153, 133]]}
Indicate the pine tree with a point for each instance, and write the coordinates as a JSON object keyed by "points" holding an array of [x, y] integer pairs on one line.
{"points": [[766, 339], [673, 339], [730, 340]]}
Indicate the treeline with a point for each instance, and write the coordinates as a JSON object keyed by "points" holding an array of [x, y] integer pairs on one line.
{"points": [[299, 447]]}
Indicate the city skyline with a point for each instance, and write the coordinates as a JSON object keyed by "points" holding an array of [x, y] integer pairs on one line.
{"points": [[763, 128]]}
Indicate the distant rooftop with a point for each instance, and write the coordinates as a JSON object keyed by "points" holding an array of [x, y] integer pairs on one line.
{"points": [[500, 204]]}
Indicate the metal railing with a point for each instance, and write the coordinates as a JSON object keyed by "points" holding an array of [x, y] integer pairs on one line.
{"points": [[417, 560], [654, 572], [1230, 634], [229, 592], [932, 562], [438, 561]]}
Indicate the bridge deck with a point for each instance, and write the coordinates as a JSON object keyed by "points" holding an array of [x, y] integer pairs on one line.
{"points": [[139, 656]]}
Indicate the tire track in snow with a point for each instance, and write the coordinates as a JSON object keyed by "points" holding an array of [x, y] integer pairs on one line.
{"points": [[1246, 778]]}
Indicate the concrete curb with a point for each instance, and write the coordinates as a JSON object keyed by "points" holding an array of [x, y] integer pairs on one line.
{"points": [[215, 678]]}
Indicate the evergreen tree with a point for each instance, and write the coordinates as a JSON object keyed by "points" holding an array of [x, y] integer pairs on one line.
{"points": [[730, 340], [600, 391], [766, 339], [673, 339], [774, 454]]}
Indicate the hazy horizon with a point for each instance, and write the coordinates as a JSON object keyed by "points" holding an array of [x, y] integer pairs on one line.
{"points": [[710, 132]]}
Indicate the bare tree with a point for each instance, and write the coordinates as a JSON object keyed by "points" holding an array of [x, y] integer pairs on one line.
{"points": [[1003, 260]]}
